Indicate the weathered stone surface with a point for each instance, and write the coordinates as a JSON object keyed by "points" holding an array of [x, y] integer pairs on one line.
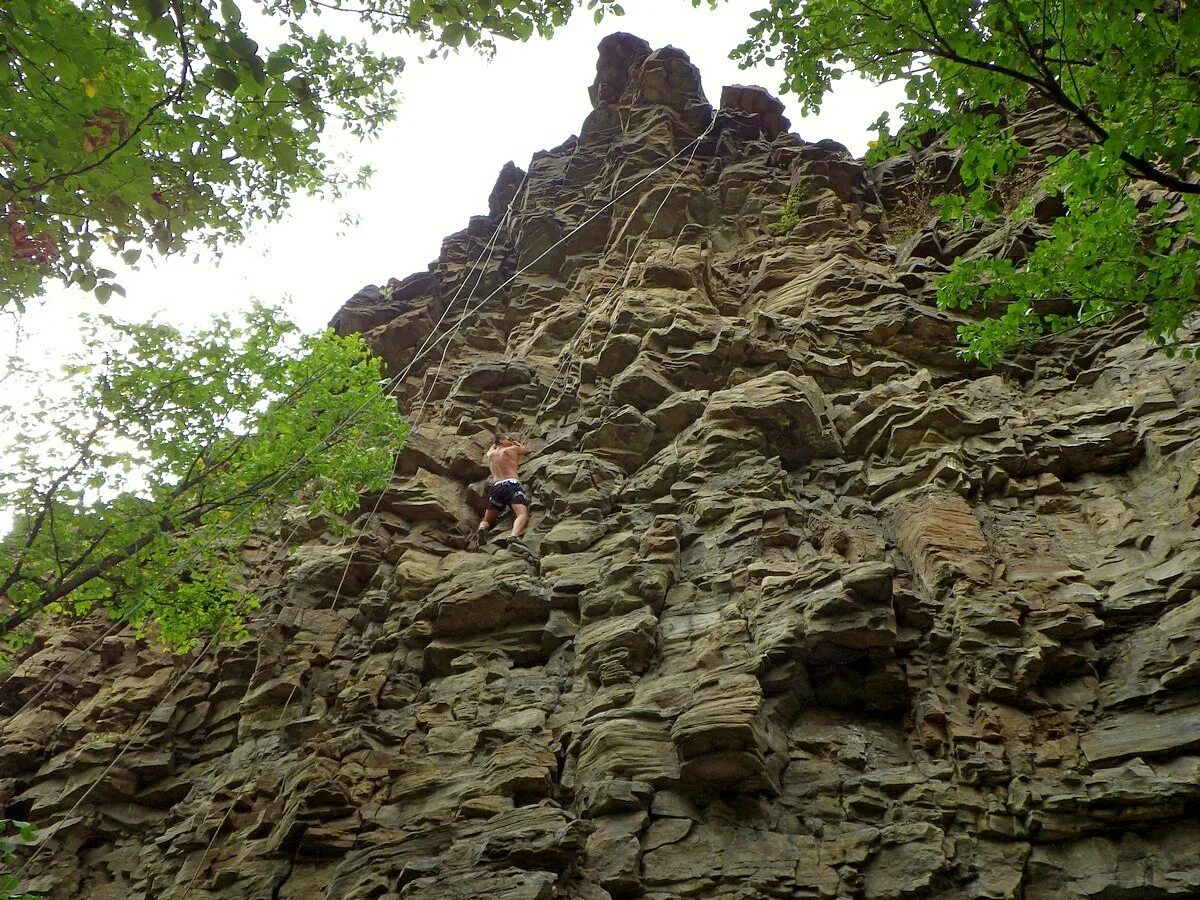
{"points": [[1158, 863], [809, 607], [1143, 733], [789, 414]]}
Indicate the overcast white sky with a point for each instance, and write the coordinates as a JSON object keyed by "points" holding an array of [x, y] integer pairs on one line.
{"points": [[460, 120]]}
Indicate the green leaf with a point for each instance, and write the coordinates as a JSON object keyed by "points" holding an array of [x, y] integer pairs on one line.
{"points": [[149, 9], [242, 45], [231, 12], [162, 29], [225, 79], [278, 64], [257, 70]]}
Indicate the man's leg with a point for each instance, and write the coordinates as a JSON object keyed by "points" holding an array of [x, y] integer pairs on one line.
{"points": [[489, 518], [520, 519]]}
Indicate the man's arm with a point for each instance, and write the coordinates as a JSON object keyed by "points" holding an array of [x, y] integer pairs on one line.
{"points": [[522, 450]]}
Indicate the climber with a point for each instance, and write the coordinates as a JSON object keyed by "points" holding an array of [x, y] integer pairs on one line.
{"points": [[507, 491]]}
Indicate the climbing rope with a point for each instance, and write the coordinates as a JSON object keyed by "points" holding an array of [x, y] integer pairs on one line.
{"points": [[478, 281], [597, 308], [488, 249], [226, 528], [479, 271], [524, 269], [427, 346]]}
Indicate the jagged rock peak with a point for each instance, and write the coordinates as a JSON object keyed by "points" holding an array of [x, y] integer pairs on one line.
{"points": [[758, 102], [629, 73], [634, 83], [508, 182], [620, 55]]}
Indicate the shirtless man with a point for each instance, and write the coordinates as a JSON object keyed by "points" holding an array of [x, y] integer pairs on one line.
{"points": [[507, 491]]}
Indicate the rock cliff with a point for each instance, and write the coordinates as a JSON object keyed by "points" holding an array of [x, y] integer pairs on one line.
{"points": [[809, 608]]}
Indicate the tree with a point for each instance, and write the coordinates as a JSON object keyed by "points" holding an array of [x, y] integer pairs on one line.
{"points": [[136, 124], [1126, 72], [137, 479]]}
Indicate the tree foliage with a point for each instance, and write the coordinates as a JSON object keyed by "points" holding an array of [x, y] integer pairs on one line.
{"points": [[136, 124], [137, 479], [1125, 72], [12, 835]]}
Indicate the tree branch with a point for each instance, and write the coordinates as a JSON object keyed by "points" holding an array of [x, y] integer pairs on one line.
{"points": [[362, 11], [1051, 87], [39, 520]]}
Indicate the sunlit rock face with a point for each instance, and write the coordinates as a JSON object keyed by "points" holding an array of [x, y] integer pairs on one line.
{"points": [[810, 608]]}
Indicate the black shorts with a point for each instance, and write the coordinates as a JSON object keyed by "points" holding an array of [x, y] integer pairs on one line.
{"points": [[506, 493]]}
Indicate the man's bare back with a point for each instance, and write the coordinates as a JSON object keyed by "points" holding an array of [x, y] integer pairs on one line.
{"points": [[505, 460]]}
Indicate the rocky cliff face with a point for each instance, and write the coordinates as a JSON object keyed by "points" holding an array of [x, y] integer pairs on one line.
{"points": [[809, 607]]}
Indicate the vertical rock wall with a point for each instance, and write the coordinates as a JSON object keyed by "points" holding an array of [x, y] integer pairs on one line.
{"points": [[809, 607]]}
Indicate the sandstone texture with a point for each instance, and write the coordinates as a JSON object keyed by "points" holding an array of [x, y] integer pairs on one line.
{"points": [[810, 607]]}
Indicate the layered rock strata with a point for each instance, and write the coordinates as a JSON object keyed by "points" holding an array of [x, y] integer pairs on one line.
{"points": [[809, 607]]}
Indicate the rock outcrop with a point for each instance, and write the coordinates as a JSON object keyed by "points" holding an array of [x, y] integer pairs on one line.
{"points": [[809, 607]]}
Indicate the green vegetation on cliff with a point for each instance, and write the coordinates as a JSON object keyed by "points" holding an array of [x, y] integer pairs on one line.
{"points": [[1122, 73], [12, 834], [137, 480], [138, 124]]}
